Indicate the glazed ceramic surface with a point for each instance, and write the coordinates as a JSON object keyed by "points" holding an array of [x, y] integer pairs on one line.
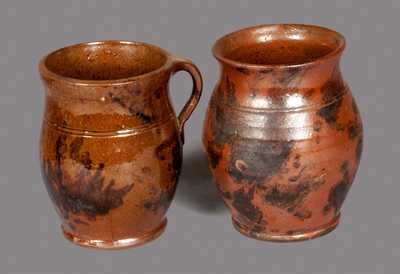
{"points": [[111, 145], [282, 132]]}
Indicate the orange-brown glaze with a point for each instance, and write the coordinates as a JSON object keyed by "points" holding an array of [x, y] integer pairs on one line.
{"points": [[111, 145], [282, 131]]}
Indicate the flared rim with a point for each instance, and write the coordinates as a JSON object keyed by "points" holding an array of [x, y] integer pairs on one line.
{"points": [[218, 54]]}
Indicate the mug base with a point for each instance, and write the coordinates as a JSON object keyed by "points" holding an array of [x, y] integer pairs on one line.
{"points": [[116, 244], [296, 236]]}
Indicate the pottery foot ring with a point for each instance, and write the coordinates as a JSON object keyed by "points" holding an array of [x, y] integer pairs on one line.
{"points": [[289, 237], [116, 244]]}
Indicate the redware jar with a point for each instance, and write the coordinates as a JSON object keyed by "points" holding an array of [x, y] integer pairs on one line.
{"points": [[282, 131]]}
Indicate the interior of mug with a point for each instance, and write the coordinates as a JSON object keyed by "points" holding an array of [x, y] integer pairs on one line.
{"points": [[279, 45], [109, 60]]}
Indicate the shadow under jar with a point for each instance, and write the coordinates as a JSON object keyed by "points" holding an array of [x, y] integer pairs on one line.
{"points": [[111, 145], [282, 131]]}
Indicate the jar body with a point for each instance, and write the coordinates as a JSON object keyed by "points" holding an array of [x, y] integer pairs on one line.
{"points": [[283, 146]]}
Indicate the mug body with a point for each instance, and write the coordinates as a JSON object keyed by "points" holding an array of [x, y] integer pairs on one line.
{"points": [[282, 131], [110, 146]]}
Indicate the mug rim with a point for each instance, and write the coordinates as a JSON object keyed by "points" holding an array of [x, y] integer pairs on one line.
{"points": [[48, 73], [331, 55]]}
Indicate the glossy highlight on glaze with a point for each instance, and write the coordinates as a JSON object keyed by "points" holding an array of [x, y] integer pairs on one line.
{"points": [[111, 145], [282, 131]]}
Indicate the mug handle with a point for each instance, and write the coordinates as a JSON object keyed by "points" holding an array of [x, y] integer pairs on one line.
{"points": [[181, 64]]}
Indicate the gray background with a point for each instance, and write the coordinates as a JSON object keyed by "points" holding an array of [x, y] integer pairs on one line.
{"points": [[199, 237]]}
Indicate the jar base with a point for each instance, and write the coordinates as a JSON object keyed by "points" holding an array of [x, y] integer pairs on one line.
{"points": [[117, 244], [297, 236]]}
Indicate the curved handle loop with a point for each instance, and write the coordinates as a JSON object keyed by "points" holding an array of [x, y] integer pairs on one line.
{"points": [[180, 64]]}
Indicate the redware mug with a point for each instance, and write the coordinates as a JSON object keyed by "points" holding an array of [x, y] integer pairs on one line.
{"points": [[111, 144]]}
